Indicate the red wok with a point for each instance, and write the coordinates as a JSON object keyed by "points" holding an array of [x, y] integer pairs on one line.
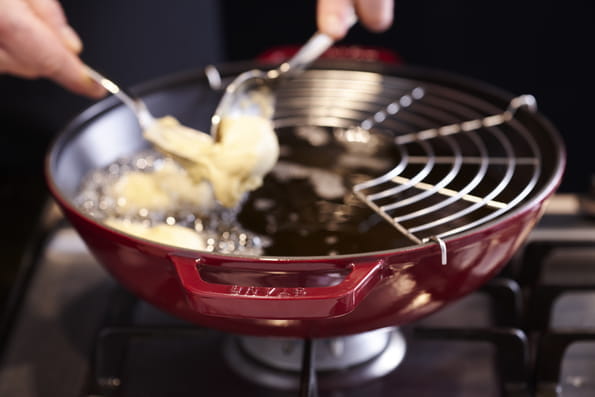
{"points": [[466, 200]]}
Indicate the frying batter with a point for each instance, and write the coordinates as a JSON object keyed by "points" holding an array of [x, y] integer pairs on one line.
{"points": [[246, 151], [167, 188], [175, 235]]}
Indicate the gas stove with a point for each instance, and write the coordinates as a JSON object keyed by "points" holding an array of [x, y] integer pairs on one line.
{"points": [[530, 331]]}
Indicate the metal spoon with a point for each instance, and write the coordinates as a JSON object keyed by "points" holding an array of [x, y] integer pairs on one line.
{"points": [[252, 92], [145, 118]]}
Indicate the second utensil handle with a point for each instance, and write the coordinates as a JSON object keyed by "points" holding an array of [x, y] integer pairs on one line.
{"points": [[314, 48]]}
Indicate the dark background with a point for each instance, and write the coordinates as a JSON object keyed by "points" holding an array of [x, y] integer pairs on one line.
{"points": [[538, 47], [533, 47]]}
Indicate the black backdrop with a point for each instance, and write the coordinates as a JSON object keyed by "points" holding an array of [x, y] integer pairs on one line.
{"points": [[538, 47]]}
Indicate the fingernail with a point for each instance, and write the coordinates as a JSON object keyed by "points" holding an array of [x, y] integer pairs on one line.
{"points": [[350, 19], [98, 91], [94, 89], [72, 39], [333, 26]]}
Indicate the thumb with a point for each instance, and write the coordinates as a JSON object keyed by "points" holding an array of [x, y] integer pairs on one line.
{"points": [[335, 17]]}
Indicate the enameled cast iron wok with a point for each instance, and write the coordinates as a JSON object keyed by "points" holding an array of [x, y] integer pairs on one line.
{"points": [[466, 193]]}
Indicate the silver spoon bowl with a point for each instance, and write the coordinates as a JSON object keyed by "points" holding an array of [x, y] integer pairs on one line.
{"points": [[252, 92], [145, 119]]}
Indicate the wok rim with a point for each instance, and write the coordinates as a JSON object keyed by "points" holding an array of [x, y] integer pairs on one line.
{"points": [[102, 106]]}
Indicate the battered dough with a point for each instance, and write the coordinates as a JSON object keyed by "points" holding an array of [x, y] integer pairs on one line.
{"points": [[167, 188], [175, 235], [204, 171], [235, 164]]}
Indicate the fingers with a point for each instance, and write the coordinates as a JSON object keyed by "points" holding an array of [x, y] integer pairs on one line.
{"points": [[334, 17], [31, 47], [376, 15], [51, 12]]}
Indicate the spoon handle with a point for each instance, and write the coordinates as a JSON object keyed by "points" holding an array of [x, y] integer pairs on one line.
{"points": [[139, 108], [309, 52], [314, 48]]}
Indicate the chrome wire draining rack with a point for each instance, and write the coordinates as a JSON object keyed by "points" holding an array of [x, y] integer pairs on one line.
{"points": [[463, 160], [388, 189]]}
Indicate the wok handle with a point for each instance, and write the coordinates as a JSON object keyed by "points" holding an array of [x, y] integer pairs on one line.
{"points": [[256, 302]]}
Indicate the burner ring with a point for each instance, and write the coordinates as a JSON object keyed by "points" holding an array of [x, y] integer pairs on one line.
{"points": [[341, 371]]}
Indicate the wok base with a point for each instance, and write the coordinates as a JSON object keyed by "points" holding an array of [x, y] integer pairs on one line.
{"points": [[340, 362]]}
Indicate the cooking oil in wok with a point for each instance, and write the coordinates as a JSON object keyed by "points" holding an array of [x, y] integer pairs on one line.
{"points": [[218, 230], [305, 206]]}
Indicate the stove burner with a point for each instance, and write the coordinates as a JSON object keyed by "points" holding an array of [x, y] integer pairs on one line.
{"points": [[340, 362]]}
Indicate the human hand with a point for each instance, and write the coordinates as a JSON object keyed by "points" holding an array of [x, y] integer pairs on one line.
{"points": [[334, 17], [36, 41]]}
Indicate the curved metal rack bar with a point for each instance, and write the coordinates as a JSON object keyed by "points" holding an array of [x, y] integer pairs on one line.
{"points": [[459, 155]]}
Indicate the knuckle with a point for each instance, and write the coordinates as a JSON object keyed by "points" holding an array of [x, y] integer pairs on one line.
{"points": [[10, 25], [50, 65], [50, 9]]}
